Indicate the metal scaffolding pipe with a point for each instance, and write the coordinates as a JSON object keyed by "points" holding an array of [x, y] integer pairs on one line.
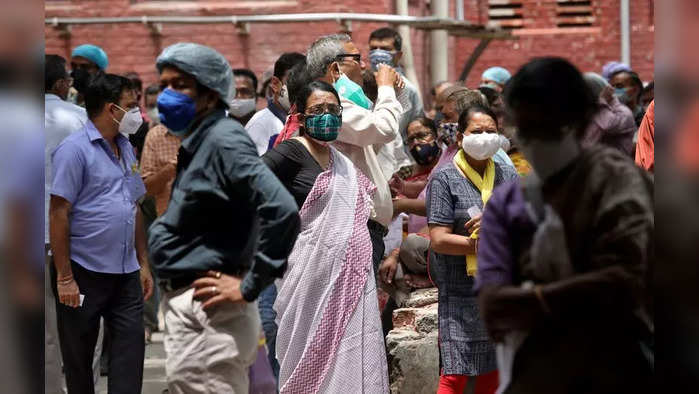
{"points": [[439, 41], [276, 18]]}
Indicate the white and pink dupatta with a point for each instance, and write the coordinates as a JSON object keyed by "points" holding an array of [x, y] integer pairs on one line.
{"points": [[329, 338]]}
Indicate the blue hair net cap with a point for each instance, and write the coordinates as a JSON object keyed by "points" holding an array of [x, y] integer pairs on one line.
{"points": [[497, 74], [205, 64], [92, 53]]}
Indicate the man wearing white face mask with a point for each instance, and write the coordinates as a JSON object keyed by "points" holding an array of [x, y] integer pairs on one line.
{"points": [[100, 264], [569, 247], [243, 105], [269, 122]]}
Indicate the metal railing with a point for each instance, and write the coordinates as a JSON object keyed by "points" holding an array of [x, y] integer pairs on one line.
{"points": [[419, 22], [276, 18]]}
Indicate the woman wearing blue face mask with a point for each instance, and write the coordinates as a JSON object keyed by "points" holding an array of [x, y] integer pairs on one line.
{"points": [[326, 302]]}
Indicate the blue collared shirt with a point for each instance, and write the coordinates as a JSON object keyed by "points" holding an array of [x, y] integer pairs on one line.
{"points": [[103, 192]]}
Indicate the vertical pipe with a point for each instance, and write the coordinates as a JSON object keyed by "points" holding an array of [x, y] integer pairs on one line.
{"points": [[459, 9], [625, 33], [439, 41], [404, 31]]}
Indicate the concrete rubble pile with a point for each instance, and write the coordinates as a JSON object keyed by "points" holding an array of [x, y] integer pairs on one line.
{"points": [[412, 345]]}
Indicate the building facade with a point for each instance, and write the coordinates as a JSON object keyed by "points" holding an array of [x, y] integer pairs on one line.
{"points": [[586, 32]]}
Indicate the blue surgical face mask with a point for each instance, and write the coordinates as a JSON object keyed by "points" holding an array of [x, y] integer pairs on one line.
{"points": [[177, 111], [622, 94], [378, 56]]}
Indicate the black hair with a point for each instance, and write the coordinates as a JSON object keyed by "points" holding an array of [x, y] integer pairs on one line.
{"points": [[152, 89], [386, 32], [552, 95], [490, 94], [465, 115], [298, 78], [433, 89], [429, 123], [103, 89], [649, 87], [286, 62], [54, 70], [135, 80], [308, 89], [635, 79], [244, 72], [263, 88]]}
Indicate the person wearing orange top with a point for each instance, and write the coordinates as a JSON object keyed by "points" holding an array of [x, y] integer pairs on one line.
{"points": [[645, 148]]}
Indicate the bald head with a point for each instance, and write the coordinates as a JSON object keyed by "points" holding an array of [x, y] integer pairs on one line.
{"points": [[441, 91], [457, 99]]}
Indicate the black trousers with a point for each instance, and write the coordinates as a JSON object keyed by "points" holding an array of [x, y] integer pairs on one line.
{"points": [[377, 232], [118, 299]]}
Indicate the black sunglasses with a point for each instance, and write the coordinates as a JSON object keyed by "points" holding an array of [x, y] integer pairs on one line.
{"points": [[355, 56]]}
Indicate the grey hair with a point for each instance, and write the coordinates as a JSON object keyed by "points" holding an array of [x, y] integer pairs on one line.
{"points": [[464, 98], [323, 53], [595, 82]]}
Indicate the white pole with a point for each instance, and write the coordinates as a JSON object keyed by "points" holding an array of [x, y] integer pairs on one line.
{"points": [[439, 42], [625, 33], [404, 31], [459, 10]]}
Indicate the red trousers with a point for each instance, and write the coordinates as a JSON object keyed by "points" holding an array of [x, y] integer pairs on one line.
{"points": [[456, 384]]}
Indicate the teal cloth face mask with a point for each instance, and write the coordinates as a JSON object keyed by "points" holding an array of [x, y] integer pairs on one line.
{"points": [[323, 127], [351, 91]]}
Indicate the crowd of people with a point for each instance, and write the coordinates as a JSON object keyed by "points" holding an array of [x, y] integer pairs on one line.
{"points": [[266, 238]]}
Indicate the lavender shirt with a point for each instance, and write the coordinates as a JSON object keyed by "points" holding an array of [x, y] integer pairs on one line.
{"points": [[103, 193], [505, 230]]}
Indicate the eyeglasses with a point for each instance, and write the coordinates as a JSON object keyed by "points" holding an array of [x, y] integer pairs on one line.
{"points": [[355, 56], [321, 109], [419, 136]]}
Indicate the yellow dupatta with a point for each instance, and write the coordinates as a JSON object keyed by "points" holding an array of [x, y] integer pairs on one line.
{"points": [[485, 185]]}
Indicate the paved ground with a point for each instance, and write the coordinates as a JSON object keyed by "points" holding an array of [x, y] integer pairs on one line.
{"points": [[154, 368]]}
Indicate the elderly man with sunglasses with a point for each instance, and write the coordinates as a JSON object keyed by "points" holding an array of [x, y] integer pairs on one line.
{"points": [[365, 127]]}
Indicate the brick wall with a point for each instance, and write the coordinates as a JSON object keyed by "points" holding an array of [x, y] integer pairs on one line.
{"points": [[588, 47], [132, 47]]}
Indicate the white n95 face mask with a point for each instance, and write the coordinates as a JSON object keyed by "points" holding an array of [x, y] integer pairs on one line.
{"points": [[504, 143], [241, 107], [131, 121], [481, 146], [284, 98]]}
